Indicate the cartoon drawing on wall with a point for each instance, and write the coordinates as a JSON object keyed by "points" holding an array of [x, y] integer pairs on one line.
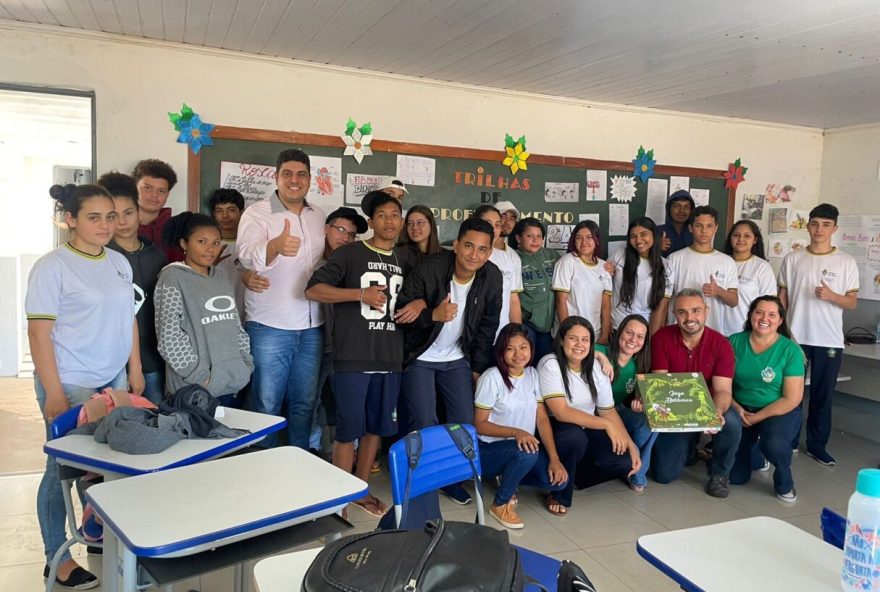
{"points": [[775, 194], [779, 247], [558, 235], [561, 192], [799, 219]]}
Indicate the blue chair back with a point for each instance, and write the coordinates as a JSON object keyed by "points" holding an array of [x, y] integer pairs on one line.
{"points": [[64, 422], [833, 527]]}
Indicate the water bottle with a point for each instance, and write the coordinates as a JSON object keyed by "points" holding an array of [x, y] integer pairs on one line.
{"points": [[861, 549]]}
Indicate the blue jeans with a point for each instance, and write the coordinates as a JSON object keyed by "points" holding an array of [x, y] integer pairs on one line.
{"points": [[773, 439], [637, 426], [543, 343], [504, 458], [423, 381], [286, 369], [154, 386], [50, 500], [824, 366], [671, 450]]}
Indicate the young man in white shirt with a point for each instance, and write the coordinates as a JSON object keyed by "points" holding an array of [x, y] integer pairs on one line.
{"points": [[282, 239], [816, 284], [703, 268], [509, 263]]}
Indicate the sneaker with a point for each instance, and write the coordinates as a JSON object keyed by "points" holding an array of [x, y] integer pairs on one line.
{"points": [[457, 494], [718, 486], [79, 579], [506, 515], [790, 497], [822, 457], [766, 466], [795, 450]]}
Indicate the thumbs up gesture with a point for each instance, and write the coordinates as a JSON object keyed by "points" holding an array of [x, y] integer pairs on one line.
{"points": [[665, 242], [824, 291], [445, 311], [284, 243], [711, 288]]}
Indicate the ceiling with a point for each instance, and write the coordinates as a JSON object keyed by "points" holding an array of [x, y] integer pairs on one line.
{"points": [[804, 62]]}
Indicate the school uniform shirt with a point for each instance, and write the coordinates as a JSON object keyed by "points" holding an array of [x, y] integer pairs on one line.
{"points": [[755, 278], [692, 269], [511, 277], [536, 300], [624, 383], [366, 339], [640, 304], [758, 378], [712, 356], [447, 346], [813, 321], [585, 284], [515, 408], [91, 300], [232, 268], [283, 305], [581, 398]]}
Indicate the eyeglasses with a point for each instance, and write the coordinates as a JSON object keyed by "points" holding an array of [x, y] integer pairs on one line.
{"points": [[416, 223], [342, 230]]}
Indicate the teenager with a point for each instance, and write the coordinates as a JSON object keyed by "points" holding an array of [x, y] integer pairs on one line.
{"points": [[507, 409], [641, 277], [197, 322], [226, 206], [82, 333], [509, 264], [630, 354], [155, 180], [755, 277], [146, 260], [590, 438], [394, 187], [816, 285], [675, 234], [581, 282], [537, 301], [421, 232], [450, 343], [703, 268], [509, 217], [768, 386]]}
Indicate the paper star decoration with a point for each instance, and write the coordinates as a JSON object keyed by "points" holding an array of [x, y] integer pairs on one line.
{"points": [[623, 188], [516, 154], [195, 133], [643, 164], [357, 140], [736, 174], [183, 116]]}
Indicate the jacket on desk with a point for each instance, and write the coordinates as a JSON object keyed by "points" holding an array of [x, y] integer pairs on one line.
{"points": [[430, 280]]}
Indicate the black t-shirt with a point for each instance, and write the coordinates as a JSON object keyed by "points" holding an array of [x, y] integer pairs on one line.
{"points": [[366, 339]]}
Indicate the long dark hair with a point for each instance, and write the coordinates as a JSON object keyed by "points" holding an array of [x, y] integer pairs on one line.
{"points": [[631, 267], [757, 247], [586, 370], [783, 326], [433, 237], [594, 230], [643, 356], [510, 331]]}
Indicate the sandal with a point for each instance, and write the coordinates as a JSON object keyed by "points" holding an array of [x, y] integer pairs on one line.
{"points": [[372, 506], [376, 468], [555, 507]]}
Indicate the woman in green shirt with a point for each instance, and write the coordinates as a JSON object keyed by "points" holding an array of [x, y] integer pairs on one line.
{"points": [[536, 299], [630, 353], [768, 385]]}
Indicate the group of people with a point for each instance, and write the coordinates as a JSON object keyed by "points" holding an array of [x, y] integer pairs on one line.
{"points": [[280, 308]]}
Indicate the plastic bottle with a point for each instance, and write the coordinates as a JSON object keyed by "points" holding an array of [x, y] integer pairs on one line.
{"points": [[861, 550]]}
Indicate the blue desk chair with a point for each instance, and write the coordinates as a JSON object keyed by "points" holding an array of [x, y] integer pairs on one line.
{"points": [[61, 425], [833, 527]]}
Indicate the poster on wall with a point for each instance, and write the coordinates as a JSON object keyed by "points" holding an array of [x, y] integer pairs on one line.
{"points": [[779, 248], [561, 192], [254, 181], [558, 235], [778, 223], [860, 237], [358, 185], [799, 220], [752, 206], [326, 189], [597, 185]]}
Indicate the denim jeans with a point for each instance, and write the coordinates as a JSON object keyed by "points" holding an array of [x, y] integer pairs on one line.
{"points": [[637, 426], [504, 458], [671, 450], [51, 513], [824, 366], [287, 364], [543, 343], [423, 381], [154, 386], [773, 439]]}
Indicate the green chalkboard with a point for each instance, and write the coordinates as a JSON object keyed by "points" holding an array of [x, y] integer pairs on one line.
{"points": [[464, 179]]}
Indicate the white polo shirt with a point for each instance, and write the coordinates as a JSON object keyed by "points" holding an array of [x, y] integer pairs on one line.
{"points": [[692, 269], [510, 264], [813, 321], [640, 303], [581, 398], [756, 278], [585, 285], [283, 305], [515, 408]]}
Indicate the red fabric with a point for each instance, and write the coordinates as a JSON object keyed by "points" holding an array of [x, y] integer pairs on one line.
{"points": [[713, 356], [153, 231], [109, 399]]}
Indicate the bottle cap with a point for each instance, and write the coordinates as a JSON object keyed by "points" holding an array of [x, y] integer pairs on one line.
{"points": [[868, 482]]}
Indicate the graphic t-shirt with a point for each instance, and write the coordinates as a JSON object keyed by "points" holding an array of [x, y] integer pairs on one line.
{"points": [[758, 378]]}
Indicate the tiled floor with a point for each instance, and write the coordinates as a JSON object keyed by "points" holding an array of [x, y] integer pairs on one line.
{"points": [[599, 532]]}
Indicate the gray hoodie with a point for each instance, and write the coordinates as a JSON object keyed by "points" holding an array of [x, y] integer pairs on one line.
{"points": [[199, 331]]}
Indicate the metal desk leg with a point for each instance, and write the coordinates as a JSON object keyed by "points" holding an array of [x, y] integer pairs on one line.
{"points": [[239, 577], [110, 561], [129, 569]]}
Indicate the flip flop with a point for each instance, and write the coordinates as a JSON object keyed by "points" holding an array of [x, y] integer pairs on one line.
{"points": [[551, 503], [376, 468], [372, 506]]}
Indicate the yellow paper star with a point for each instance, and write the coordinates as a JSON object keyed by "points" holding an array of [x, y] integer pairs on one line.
{"points": [[516, 158]]}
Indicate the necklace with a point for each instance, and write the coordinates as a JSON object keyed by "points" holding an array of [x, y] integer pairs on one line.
{"points": [[378, 252]]}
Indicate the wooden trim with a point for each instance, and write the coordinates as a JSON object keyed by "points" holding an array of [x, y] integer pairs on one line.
{"points": [[731, 207], [193, 177]]}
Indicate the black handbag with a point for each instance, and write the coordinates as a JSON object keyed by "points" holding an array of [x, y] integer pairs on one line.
{"points": [[444, 556]]}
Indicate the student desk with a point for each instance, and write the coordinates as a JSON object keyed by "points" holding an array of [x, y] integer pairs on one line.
{"points": [[283, 573], [754, 554], [195, 508]]}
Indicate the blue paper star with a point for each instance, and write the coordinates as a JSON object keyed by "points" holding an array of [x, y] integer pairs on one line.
{"points": [[195, 133], [643, 164]]}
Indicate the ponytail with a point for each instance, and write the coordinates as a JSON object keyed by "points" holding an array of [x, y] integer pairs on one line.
{"points": [[181, 227]]}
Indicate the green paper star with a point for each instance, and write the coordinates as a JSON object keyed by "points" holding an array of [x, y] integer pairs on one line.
{"points": [[366, 129], [185, 114], [349, 126]]}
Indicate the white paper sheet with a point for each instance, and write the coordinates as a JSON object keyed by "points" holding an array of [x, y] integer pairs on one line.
{"points": [[358, 185], [561, 192], [623, 188], [618, 219], [326, 189], [597, 185], [416, 170], [558, 235], [677, 183], [656, 206], [701, 197], [254, 181], [593, 217]]}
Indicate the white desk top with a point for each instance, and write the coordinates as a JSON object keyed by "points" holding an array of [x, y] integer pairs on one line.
{"points": [[83, 452], [283, 573], [212, 504], [863, 350], [754, 554]]}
